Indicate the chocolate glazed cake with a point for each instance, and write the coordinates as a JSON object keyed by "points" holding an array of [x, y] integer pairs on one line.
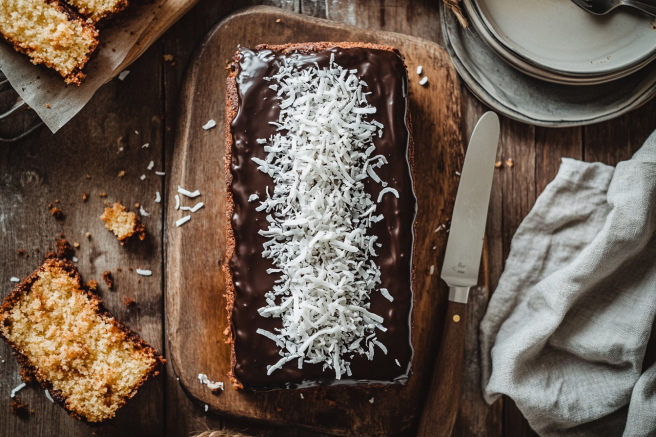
{"points": [[252, 105]]}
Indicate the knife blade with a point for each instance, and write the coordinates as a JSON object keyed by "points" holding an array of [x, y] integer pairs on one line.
{"points": [[465, 244], [460, 271]]}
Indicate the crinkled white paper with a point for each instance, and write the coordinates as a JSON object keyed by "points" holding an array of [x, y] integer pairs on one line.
{"points": [[32, 81]]}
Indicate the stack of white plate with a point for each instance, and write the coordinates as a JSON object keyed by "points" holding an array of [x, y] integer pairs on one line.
{"points": [[548, 62]]}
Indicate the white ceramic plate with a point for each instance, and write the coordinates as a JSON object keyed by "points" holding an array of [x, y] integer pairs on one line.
{"points": [[479, 25], [558, 36], [534, 101]]}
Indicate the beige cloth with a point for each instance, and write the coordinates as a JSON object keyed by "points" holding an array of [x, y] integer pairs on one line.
{"points": [[566, 331]]}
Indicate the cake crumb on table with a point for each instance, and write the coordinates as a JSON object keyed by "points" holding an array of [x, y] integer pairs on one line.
{"points": [[107, 277], [122, 223], [19, 408]]}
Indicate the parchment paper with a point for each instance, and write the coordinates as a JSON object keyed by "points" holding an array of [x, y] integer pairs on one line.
{"points": [[40, 86]]}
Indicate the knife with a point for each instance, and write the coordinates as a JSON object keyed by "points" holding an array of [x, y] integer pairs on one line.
{"points": [[460, 271]]}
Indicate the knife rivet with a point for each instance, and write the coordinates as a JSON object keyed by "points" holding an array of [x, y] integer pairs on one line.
{"points": [[456, 318]]}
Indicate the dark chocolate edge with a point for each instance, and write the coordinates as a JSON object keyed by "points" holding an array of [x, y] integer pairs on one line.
{"points": [[27, 368], [232, 108]]}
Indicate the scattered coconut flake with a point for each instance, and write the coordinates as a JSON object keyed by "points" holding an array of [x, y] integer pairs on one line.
{"points": [[188, 193], [386, 294], [253, 197], [177, 202], [136, 132], [371, 401], [145, 146], [206, 407], [144, 272], [143, 212], [160, 173], [14, 279], [183, 220], [157, 197], [438, 229], [387, 190], [17, 389], [74, 259], [209, 125], [213, 385], [143, 177], [123, 74], [302, 396], [397, 362], [196, 207], [319, 215], [151, 165], [432, 269], [420, 69], [49, 397], [423, 81], [457, 173]]}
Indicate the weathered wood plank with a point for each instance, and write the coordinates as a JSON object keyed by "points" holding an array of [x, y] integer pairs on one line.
{"points": [[44, 168], [617, 140]]}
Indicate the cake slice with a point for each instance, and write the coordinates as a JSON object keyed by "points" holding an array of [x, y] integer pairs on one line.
{"points": [[50, 33], [320, 213], [96, 10], [123, 223], [89, 363]]}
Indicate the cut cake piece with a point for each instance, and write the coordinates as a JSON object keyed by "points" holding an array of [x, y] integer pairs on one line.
{"points": [[96, 10], [319, 285], [88, 361], [122, 223], [50, 33]]}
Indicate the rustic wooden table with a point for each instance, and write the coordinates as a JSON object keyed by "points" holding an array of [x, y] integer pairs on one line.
{"points": [[45, 168]]}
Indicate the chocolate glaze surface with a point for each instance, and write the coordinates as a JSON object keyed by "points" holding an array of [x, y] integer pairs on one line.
{"points": [[386, 76]]}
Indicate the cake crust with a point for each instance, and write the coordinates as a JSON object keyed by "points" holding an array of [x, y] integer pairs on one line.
{"points": [[30, 370], [232, 108], [73, 75]]}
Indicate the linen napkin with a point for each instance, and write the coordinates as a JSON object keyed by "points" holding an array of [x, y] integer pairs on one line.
{"points": [[567, 328]]}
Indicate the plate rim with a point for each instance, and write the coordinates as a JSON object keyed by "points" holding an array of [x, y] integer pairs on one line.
{"points": [[485, 97], [527, 68], [643, 60]]}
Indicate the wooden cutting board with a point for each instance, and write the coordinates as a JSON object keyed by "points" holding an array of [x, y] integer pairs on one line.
{"points": [[195, 302]]}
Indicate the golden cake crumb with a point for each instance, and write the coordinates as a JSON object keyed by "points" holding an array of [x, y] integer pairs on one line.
{"points": [[107, 277], [122, 223]]}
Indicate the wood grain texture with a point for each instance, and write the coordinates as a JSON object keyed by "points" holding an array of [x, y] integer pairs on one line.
{"points": [[441, 406], [46, 168], [194, 292]]}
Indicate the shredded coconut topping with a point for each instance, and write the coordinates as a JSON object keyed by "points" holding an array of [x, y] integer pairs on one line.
{"points": [[14, 279], [318, 218], [17, 389], [144, 272], [213, 385], [195, 208], [158, 198], [188, 193]]}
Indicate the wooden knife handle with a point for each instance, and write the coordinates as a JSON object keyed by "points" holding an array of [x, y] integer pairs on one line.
{"points": [[441, 407]]}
